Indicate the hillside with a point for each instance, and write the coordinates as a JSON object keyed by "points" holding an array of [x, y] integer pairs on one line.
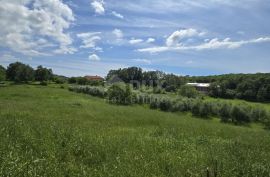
{"points": [[48, 131]]}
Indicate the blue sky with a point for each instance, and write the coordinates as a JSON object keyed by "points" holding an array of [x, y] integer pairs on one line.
{"points": [[90, 37]]}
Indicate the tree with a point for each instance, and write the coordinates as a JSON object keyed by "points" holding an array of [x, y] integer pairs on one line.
{"points": [[19, 72], [43, 74], [2, 73], [82, 80], [72, 80], [189, 91], [225, 112], [120, 94], [240, 114]]}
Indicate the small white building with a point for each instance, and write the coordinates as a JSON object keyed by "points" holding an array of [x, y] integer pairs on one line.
{"points": [[201, 87]]}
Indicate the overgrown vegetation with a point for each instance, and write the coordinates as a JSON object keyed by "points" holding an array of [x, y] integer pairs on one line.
{"points": [[252, 87], [48, 131], [85, 81], [2, 73], [237, 114]]}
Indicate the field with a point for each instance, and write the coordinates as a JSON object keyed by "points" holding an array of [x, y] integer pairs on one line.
{"points": [[49, 131]]}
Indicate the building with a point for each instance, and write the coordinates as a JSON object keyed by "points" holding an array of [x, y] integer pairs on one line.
{"points": [[94, 78], [201, 87]]}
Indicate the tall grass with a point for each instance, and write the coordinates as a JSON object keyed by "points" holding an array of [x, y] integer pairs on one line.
{"points": [[237, 113], [52, 132]]}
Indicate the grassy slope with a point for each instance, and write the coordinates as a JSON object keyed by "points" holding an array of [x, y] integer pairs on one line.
{"points": [[52, 132]]}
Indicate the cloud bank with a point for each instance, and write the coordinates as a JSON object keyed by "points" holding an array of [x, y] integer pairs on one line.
{"points": [[32, 27]]}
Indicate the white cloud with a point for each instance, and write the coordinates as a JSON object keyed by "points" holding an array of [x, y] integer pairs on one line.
{"points": [[94, 57], [135, 41], [145, 61], [117, 15], [176, 36], [98, 6], [22, 26], [150, 40], [173, 6], [212, 44], [90, 39], [8, 58], [118, 33]]}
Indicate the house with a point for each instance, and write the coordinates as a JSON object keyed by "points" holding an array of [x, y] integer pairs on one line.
{"points": [[201, 87], [94, 78]]}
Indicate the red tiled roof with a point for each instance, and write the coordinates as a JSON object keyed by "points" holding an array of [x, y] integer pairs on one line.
{"points": [[94, 78]]}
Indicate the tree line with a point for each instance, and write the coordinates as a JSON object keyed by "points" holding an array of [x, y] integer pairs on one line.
{"points": [[123, 94], [137, 76], [19, 72], [252, 87]]}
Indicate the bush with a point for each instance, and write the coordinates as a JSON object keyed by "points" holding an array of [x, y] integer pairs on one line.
{"points": [[120, 94], [189, 91], [158, 90], [94, 91], [44, 83], [19, 72], [225, 112], [258, 114], [266, 121], [165, 104], [58, 80], [240, 114], [2, 73]]}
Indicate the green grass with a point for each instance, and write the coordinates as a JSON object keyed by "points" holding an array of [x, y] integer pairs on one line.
{"points": [[48, 131], [238, 101]]}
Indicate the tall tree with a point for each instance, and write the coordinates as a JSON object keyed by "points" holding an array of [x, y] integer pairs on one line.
{"points": [[43, 74], [2, 73], [19, 72]]}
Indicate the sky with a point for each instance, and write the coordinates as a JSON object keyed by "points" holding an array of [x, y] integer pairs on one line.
{"points": [[90, 37]]}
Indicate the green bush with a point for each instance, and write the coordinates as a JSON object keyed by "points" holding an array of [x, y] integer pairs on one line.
{"points": [[188, 91], [158, 90], [120, 94], [44, 83], [2, 73], [94, 91], [165, 104], [19, 72], [240, 114], [266, 121], [225, 112]]}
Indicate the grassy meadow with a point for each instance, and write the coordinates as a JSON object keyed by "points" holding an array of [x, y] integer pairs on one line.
{"points": [[49, 131]]}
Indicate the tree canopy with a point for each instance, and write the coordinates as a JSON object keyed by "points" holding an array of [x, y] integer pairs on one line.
{"points": [[19, 72], [2, 73], [43, 74]]}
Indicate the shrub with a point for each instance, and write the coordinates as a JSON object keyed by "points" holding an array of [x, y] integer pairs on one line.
{"points": [[266, 121], [94, 91], [44, 83], [2, 73], [158, 90], [72, 80], [19, 72], [195, 108], [189, 91], [240, 114], [154, 104], [205, 109], [120, 94], [165, 104], [59, 80], [258, 114], [225, 112]]}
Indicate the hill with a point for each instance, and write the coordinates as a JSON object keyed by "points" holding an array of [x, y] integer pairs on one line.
{"points": [[48, 131]]}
